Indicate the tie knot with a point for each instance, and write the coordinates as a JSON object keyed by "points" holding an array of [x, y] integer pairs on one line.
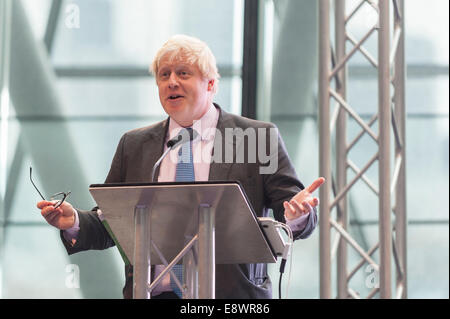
{"points": [[187, 134]]}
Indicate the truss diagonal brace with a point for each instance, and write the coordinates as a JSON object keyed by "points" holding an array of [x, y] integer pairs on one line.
{"points": [[350, 54], [355, 245], [353, 114]]}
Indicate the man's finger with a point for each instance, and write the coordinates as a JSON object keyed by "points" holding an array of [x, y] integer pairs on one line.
{"points": [[314, 202], [289, 207], [43, 204], [289, 210], [299, 208], [307, 206], [315, 185], [47, 210], [52, 216]]}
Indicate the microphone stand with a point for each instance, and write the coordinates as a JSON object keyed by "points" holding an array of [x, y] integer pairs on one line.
{"points": [[159, 161], [192, 134]]}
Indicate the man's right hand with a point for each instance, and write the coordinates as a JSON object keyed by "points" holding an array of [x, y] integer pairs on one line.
{"points": [[62, 217]]}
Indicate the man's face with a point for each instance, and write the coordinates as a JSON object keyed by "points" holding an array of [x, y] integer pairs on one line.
{"points": [[184, 93]]}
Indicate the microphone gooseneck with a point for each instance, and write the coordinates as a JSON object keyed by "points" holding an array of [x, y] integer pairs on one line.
{"points": [[185, 135]]}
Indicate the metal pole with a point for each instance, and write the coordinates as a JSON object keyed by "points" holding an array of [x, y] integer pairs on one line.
{"points": [[142, 248], [206, 252], [324, 148], [401, 221], [250, 59], [384, 107], [190, 264], [341, 147]]}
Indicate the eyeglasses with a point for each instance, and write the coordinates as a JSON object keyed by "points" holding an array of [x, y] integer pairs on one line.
{"points": [[60, 197]]}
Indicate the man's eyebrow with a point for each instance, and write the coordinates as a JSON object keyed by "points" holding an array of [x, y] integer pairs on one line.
{"points": [[163, 69], [186, 65], [175, 66]]}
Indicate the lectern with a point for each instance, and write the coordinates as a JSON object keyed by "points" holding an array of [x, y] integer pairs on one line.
{"points": [[160, 223]]}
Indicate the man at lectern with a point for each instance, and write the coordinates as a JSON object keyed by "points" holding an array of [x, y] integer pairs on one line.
{"points": [[187, 79]]}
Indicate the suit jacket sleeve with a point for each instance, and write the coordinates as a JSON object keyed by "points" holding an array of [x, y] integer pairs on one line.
{"points": [[92, 234], [282, 186]]}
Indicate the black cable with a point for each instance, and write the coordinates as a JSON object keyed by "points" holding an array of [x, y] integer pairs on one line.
{"points": [[282, 265], [279, 286]]}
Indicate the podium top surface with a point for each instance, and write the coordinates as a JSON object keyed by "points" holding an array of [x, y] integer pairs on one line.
{"points": [[173, 209]]}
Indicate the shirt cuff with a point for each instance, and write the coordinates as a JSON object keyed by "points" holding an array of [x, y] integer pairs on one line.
{"points": [[71, 234], [299, 223]]}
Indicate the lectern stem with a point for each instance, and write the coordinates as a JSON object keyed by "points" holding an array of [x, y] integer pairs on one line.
{"points": [[142, 263], [206, 252], [190, 275]]}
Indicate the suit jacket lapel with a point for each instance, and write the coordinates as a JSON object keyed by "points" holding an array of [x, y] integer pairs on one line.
{"points": [[153, 148], [221, 170]]}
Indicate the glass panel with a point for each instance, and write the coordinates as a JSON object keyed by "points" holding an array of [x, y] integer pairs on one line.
{"points": [[424, 95], [428, 261], [106, 37], [427, 26], [36, 265]]}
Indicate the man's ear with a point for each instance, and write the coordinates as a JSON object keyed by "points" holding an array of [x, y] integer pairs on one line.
{"points": [[210, 85]]}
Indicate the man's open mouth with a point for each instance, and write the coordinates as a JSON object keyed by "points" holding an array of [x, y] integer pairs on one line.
{"points": [[175, 97]]}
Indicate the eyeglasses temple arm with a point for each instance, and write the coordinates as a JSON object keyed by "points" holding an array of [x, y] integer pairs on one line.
{"points": [[31, 179]]}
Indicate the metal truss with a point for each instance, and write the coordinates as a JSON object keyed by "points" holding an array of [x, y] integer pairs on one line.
{"points": [[390, 119]]}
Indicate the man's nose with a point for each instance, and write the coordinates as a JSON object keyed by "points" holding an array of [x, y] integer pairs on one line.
{"points": [[173, 81]]}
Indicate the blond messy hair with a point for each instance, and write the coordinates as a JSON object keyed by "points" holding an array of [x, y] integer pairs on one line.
{"points": [[191, 50]]}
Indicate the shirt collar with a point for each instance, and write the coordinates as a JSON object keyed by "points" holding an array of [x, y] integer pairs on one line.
{"points": [[205, 126]]}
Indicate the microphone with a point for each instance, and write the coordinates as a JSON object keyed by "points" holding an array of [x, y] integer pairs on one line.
{"points": [[185, 135]]}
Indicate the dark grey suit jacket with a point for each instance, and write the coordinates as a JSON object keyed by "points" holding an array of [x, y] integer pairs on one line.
{"points": [[135, 156]]}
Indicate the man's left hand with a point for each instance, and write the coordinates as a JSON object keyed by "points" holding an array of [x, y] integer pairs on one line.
{"points": [[302, 203]]}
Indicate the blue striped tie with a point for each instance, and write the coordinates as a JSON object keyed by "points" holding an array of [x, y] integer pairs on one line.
{"points": [[184, 173], [185, 165]]}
